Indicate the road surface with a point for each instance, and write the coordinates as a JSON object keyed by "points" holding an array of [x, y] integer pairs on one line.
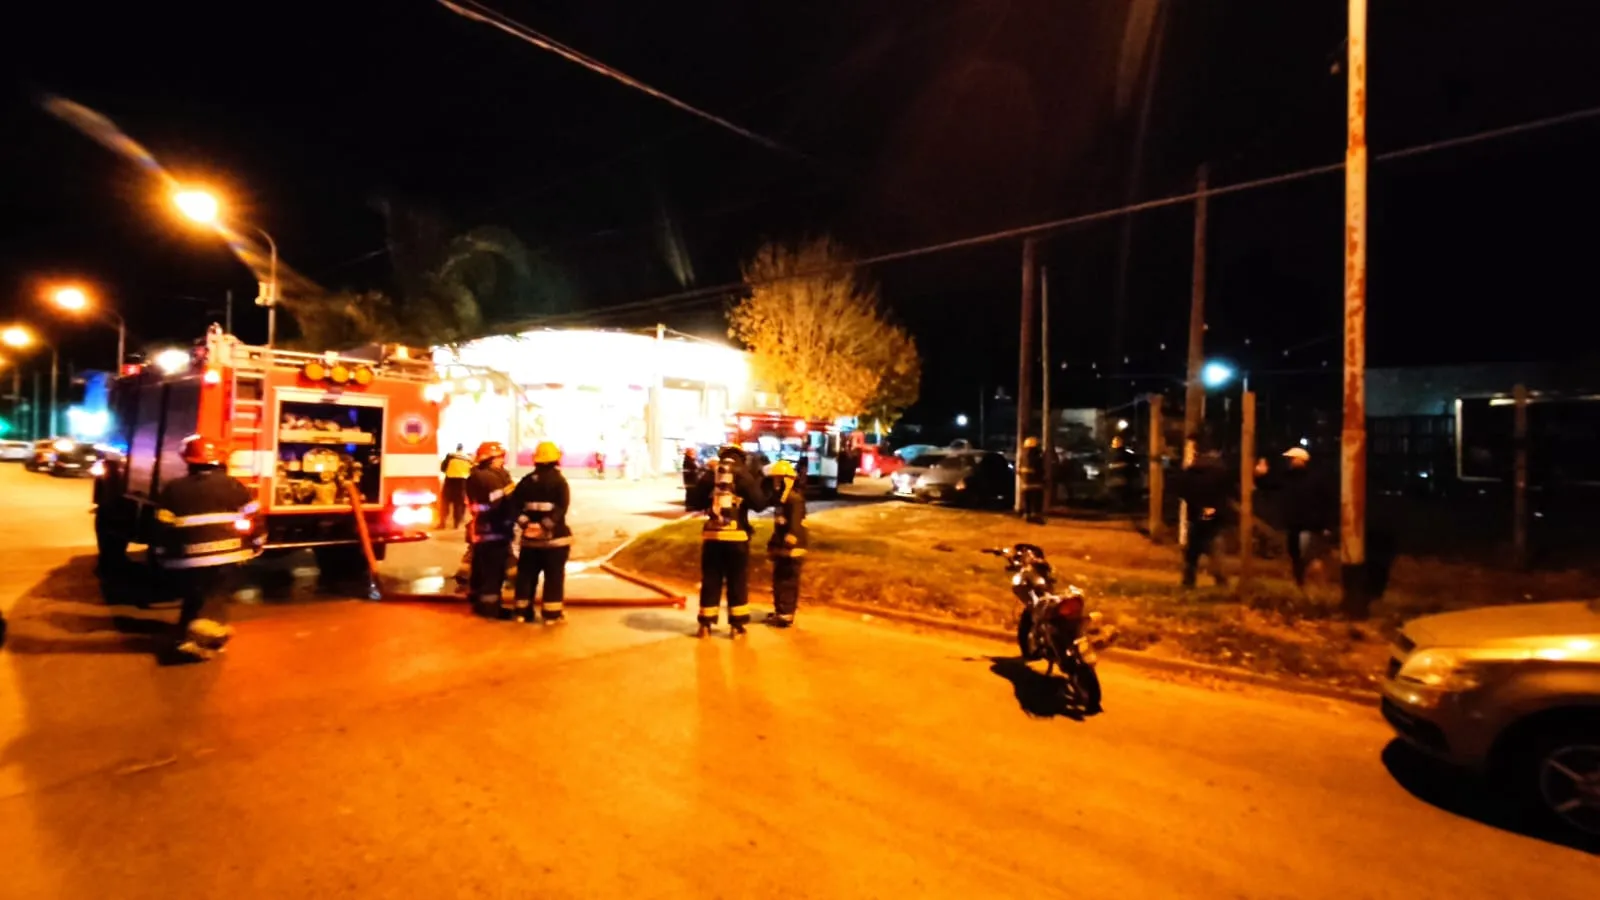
{"points": [[347, 749]]}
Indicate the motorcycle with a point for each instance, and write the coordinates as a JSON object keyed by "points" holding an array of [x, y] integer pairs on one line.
{"points": [[1056, 627]]}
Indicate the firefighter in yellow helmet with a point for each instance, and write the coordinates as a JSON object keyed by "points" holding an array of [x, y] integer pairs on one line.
{"points": [[489, 531], [727, 493], [1030, 465], [540, 503], [787, 548]]}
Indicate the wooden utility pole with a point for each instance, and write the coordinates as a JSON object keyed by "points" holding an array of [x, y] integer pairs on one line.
{"points": [[1030, 303], [1519, 494], [1247, 484], [1046, 423], [1194, 396], [1353, 441], [1154, 474]]}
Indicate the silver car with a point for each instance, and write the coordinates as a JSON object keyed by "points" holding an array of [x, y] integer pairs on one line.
{"points": [[1509, 692], [15, 451], [904, 482]]}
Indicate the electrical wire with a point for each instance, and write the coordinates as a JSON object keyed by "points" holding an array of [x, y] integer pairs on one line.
{"points": [[1039, 229], [488, 16]]}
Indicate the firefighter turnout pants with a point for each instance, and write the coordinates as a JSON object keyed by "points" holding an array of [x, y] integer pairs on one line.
{"points": [[204, 592], [786, 585], [488, 578], [725, 562], [551, 563]]}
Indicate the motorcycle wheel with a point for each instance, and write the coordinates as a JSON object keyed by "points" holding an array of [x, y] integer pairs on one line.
{"points": [[1024, 631], [1086, 686]]}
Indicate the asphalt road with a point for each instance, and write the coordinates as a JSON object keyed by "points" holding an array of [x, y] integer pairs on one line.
{"points": [[347, 749]]}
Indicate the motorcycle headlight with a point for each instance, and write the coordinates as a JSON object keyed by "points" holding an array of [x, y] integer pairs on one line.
{"points": [[1441, 669]]}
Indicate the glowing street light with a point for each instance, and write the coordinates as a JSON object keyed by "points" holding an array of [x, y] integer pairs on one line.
{"points": [[961, 420], [1216, 374], [204, 207], [17, 336], [172, 361], [75, 300], [21, 338]]}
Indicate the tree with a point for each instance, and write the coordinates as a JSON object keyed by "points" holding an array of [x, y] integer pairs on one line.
{"points": [[818, 335]]}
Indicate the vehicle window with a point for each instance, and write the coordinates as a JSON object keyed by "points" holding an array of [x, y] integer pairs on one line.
{"points": [[142, 446], [927, 460], [957, 462]]}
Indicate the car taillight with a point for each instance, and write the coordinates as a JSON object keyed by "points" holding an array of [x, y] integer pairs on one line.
{"points": [[414, 498], [408, 516]]}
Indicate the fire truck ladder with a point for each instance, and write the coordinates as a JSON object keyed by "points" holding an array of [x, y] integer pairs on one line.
{"points": [[247, 410]]}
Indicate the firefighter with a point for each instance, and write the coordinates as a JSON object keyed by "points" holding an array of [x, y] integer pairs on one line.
{"points": [[207, 532], [691, 471], [1031, 469], [489, 530], [728, 494], [787, 548], [540, 502], [1204, 486], [455, 468]]}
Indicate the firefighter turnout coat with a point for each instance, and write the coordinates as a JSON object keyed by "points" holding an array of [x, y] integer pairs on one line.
{"points": [[788, 520], [206, 520], [487, 488], [540, 504], [728, 493]]}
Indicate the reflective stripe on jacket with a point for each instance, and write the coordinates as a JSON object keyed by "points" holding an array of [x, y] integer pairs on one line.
{"points": [[487, 488], [788, 522], [541, 500], [728, 494]]}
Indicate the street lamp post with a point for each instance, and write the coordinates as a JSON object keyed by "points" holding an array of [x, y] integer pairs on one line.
{"points": [[203, 207], [21, 338], [75, 300]]}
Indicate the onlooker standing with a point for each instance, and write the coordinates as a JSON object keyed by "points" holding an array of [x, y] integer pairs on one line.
{"points": [[691, 472], [1305, 504], [1205, 487], [455, 468]]}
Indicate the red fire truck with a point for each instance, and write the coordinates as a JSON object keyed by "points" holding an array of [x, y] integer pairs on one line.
{"points": [[775, 436], [294, 427]]}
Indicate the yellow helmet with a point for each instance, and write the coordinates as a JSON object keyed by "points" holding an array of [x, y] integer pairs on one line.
{"points": [[1030, 443], [782, 469], [546, 452]]}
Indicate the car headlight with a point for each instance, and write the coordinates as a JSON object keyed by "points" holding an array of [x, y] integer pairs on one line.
{"points": [[1440, 669]]}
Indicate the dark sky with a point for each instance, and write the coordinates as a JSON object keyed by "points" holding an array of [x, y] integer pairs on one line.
{"points": [[915, 122]]}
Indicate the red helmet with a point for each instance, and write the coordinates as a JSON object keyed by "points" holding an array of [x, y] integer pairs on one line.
{"points": [[199, 450], [489, 450]]}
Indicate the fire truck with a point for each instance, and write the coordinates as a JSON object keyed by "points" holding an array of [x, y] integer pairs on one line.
{"points": [[295, 428], [812, 445]]}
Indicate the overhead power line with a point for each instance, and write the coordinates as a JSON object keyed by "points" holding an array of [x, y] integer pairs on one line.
{"points": [[1039, 229], [478, 12]]}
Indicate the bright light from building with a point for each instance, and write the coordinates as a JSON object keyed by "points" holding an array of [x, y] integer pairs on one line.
{"points": [[961, 420], [16, 336], [472, 385], [1305, 442], [86, 423], [1215, 374], [1122, 424], [72, 299], [172, 361], [201, 206]]}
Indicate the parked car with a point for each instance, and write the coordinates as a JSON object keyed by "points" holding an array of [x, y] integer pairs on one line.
{"points": [[1511, 693], [79, 460], [878, 463], [904, 482], [44, 453], [911, 451], [968, 478], [15, 451]]}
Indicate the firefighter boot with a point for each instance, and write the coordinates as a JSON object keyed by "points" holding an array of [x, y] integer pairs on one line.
{"points": [[736, 630], [704, 630], [523, 611], [208, 634]]}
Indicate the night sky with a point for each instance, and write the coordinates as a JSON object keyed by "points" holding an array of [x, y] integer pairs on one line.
{"points": [[911, 122]]}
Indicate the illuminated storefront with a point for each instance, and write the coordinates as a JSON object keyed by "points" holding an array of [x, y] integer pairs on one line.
{"points": [[636, 398]]}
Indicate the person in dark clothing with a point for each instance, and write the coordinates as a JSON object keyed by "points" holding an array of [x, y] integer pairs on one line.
{"points": [[1304, 503], [489, 531], [691, 471], [1031, 469], [1204, 487], [455, 468], [540, 502], [208, 531], [787, 548], [727, 493]]}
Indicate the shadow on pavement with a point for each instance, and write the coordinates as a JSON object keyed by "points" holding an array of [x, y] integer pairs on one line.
{"points": [[660, 622], [38, 627], [1041, 696], [1461, 794]]}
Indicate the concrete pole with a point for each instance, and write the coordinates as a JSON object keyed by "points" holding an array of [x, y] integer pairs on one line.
{"points": [[1194, 396], [1519, 495], [1353, 443], [1156, 477], [1247, 484], [227, 312], [1046, 423], [1030, 301]]}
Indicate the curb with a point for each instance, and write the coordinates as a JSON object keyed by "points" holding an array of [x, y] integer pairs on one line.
{"points": [[1131, 658]]}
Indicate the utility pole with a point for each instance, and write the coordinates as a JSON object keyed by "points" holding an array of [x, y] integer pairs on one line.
{"points": [[34, 426], [1519, 496], [1046, 423], [1030, 302], [983, 429], [1194, 396], [1155, 475], [227, 312], [1353, 441], [1247, 484]]}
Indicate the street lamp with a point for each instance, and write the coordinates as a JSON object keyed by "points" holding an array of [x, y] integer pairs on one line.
{"points": [[961, 420], [204, 207], [21, 338], [74, 300], [1215, 374]]}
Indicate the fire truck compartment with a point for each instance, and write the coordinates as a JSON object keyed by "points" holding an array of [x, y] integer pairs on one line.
{"points": [[322, 444]]}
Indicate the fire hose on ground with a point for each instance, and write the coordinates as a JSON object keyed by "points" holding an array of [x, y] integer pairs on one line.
{"points": [[375, 591]]}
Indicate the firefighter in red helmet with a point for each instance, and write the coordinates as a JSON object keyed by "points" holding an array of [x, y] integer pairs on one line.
{"points": [[490, 530], [209, 528]]}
